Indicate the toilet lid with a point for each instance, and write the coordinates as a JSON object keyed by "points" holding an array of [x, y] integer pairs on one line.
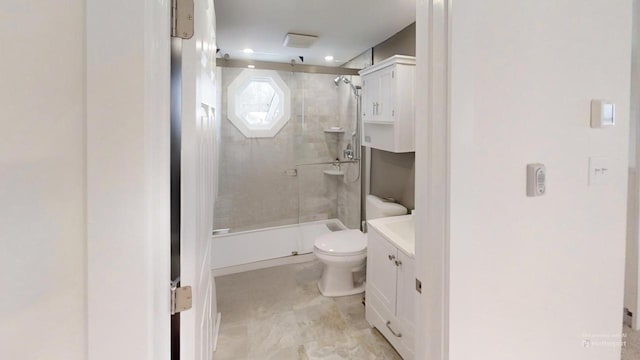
{"points": [[345, 242]]}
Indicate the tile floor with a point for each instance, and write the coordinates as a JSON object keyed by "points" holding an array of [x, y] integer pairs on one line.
{"points": [[278, 313], [631, 350]]}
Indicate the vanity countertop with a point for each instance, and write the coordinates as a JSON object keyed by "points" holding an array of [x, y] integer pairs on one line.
{"points": [[399, 230]]}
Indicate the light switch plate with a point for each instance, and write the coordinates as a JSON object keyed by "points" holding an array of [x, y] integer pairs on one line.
{"points": [[599, 171], [603, 114]]}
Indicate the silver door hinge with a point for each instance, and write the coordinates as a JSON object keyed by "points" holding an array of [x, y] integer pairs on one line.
{"points": [[182, 19], [418, 286], [627, 317], [181, 298]]}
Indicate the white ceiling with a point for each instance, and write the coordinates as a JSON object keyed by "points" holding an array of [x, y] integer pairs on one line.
{"points": [[345, 28]]}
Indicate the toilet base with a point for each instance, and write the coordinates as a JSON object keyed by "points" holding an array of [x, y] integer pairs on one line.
{"points": [[353, 291], [338, 281]]}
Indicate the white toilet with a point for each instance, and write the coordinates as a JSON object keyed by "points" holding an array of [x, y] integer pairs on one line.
{"points": [[344, 252]]}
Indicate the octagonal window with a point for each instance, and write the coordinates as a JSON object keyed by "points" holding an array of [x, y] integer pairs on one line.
{"points": [[258, 103]]}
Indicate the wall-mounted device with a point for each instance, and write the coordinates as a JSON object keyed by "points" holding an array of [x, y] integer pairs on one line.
{"points": [[603, 114], [536, 180]]}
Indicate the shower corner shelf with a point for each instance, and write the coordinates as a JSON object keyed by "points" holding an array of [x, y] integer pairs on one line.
{"points": [[333, 172], [334, 131]]}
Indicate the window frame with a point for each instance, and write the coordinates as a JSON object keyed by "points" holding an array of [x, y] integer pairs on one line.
{"points": [[280, 87]]}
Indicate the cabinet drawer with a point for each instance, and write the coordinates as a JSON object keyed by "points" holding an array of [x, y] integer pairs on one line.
{"points": [[378, 316]]}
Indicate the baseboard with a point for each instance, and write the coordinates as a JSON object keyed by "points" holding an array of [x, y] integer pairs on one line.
{"points": [[263, 264]]}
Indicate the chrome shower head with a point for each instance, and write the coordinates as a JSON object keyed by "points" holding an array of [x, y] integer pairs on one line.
{"points": [[345, 80]]}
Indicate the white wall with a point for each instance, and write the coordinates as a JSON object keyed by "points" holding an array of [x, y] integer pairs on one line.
{"points": [[128, 179], [42, 261], [632, 278], [532, 278]]}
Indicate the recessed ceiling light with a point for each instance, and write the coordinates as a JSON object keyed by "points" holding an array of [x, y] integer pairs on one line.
{"points": [[248, 51], [328, 58], [251, 66]]}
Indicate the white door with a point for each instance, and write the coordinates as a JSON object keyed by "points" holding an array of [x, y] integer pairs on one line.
{"points": [[197, 183]]}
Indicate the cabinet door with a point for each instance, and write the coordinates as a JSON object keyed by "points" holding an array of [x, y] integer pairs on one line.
{"points": [[385, 106], [406, 298], [370, 98], [381, 270]]}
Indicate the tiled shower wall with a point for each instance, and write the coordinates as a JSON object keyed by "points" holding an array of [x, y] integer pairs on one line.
{"points": [[255, 190]]}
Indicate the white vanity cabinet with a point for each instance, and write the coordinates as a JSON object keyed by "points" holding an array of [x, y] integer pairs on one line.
{"points": [[388, 118], [390, 292]]}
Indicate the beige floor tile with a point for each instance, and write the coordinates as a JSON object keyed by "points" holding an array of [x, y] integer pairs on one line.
{"points": [[631, 350], [321, 323], [345, 348], [233, 342], [278, 313], [291, 353], [371, 340], [308, 272], [269, 335], [235, 311], [352, 310], [267, 302], [307, 294]]}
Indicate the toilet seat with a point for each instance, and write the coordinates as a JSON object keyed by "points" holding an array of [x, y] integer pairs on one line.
{"points": [[341, 243]]}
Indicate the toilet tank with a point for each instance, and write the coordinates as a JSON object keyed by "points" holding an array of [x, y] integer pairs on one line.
{"points": [[378, 208]]}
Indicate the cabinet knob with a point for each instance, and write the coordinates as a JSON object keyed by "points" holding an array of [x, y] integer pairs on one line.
{"points": [[392, 257], [398, 262]]}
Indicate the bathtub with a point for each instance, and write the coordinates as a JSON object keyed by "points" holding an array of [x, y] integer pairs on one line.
{"points": [[255, 249]]}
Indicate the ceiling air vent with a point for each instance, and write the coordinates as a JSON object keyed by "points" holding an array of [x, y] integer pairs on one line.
{"points": [[299, 41]]}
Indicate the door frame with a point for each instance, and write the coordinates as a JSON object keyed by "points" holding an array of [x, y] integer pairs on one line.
{"points": [[175, 181], [632, 282], [127, 170], [433, 24]]}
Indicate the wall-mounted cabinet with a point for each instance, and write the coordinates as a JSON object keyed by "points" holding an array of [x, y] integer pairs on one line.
{"points": [[388, 118], [390, 291]]}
